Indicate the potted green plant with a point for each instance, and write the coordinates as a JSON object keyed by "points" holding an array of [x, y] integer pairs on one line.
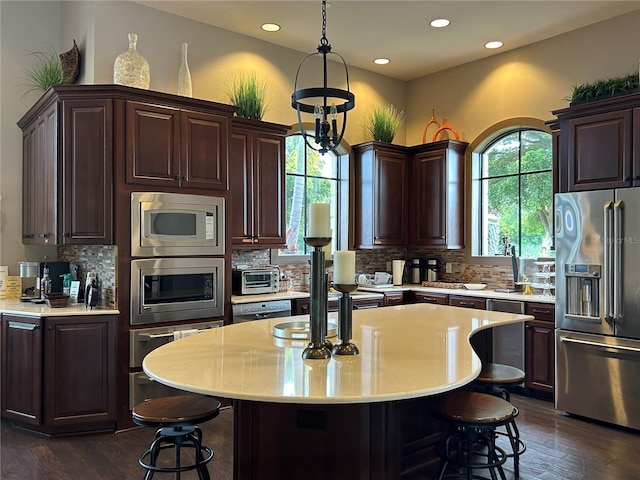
{"points": [[248, 92], [605, 88], [47, 71], [383, 123]]}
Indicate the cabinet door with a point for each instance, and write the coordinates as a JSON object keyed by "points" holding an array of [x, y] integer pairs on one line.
{"points": [[600, 151], [87, 158], [22, 369], [152, 144], [540, 355], [365, 303], [204, 151], [241, 181], [269, 190], [393, 298], [79, 371], [437, 197], [380, 186], [40, 179]]}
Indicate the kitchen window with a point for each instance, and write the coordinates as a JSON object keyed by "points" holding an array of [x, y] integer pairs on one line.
{"points": [[512, 194], [312, 178]]}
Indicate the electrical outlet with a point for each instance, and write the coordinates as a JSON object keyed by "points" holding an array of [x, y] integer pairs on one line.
{"points": [[388, 266], [449, 267]]}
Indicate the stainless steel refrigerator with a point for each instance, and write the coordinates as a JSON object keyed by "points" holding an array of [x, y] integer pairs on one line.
{"points": [[598, 305]]}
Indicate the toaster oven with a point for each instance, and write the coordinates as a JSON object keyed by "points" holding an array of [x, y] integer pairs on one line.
{"points": [[255, 281]]}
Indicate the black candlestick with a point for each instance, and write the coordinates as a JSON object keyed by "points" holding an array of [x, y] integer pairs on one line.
{"points": [[345, 328], [318, 348]]}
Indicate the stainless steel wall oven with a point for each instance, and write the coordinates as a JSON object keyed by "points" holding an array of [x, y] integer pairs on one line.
{"points": [[172, 289]]}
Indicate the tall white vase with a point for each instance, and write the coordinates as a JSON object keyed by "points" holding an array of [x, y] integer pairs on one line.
{"points": [[184, 75], [131, 68]]}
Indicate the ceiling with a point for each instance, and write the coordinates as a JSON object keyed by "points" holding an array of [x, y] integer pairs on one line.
{"points": [[362, 30]]}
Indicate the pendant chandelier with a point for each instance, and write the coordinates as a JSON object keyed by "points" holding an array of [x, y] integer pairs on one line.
{"points": [[325, 103]]}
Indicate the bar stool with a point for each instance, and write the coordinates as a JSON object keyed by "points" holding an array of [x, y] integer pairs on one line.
{"points": [[495, 379], [470, 445], [176, 419]]}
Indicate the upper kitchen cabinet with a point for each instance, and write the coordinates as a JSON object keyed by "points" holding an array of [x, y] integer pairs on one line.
{"points": [[600, 144], [380, 181], [257, 173], [171, 146], [436, 209], [68, 169]]}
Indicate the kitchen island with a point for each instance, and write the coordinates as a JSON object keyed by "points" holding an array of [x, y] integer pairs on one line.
{"points": [[363, 417]]}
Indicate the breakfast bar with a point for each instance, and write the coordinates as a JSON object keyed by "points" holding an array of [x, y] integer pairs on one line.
{"points": [[363, 416]]}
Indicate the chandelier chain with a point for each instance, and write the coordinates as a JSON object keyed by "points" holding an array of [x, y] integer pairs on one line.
{"points": [[323, 40]]}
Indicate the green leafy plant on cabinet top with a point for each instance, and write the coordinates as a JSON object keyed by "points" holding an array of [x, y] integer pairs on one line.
{"points": [[248, 93], [382, 123], [606, 88]]}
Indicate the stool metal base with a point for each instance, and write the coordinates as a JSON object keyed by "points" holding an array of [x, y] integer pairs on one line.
{"points": [[176, 438], [470, 449]]}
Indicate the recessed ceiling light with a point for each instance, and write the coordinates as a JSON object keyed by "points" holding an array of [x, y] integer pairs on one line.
{"points": [[440, 22], [381, 61], [270, 27], [493, 45]]}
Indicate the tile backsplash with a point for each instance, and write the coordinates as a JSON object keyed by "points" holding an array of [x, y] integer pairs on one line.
{"points": [[100, 259], [370, 261]]}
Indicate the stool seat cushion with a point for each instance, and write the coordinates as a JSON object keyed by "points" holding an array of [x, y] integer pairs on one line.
{"points": [[472, 407], [176, 411], [498, 373]]}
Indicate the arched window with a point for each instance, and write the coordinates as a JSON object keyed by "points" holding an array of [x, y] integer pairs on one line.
{"points": [[512, 194], [313, 178]]}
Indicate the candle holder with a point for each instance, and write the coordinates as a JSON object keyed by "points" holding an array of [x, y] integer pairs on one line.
{"points": [[319, 347], [345, 327]]}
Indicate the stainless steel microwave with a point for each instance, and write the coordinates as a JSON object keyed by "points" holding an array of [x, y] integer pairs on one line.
{"points": [[174, 224], [171, 289]]}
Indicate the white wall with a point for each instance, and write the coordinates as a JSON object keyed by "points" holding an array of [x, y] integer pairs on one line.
{"points": [[528, 82]]}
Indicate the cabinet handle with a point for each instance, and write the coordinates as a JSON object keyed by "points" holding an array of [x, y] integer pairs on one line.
{"points": [[43, 235], [66, 234], [184, 177], [536, 310], [29, 235], [24, 326], [177, 178], [247, 240]]}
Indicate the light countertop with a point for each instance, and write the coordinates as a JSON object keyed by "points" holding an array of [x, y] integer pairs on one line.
{"points": [[406, 351], [368, 292], [27, 309]]}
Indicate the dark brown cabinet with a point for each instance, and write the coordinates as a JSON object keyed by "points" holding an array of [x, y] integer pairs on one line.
{"points": [[171, 146], [393, 298], [300, 306], [58, 373], [381, 195], [436, 298], [540, 348], [68, 170], [600, 144], [436, 209], [257, 170]]}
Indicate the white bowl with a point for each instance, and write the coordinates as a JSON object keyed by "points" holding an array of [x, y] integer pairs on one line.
{"points": [[475, 286]]}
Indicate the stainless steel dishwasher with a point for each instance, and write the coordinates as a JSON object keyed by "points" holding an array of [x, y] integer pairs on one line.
{"points": [[508, 340], [246, 312]]}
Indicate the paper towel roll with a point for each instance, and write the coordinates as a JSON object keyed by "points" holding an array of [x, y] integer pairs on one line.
{"points": [[397, 270]]}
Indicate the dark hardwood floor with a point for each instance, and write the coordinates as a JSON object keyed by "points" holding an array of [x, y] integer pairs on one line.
{"points": [[558, 448]]}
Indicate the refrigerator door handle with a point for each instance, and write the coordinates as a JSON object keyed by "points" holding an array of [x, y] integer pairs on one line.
{"points": [[617, 260], [599, 344], [607, 261]]}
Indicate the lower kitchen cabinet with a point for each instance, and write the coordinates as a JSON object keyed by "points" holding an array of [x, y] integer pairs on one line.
{"points": [[540, 348], [58, 373], [393, 298], [300, 306]]}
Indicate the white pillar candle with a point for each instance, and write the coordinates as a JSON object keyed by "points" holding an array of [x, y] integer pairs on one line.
{"points": [[344, 267], [319, 224]]}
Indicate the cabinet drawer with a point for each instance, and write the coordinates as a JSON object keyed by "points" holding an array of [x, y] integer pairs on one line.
{"points": [[542, 311], [437, 298], [467, 302], [393, 298]]}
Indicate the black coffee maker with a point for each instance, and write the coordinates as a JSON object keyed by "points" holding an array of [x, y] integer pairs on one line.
{"points": [[415, 270]]}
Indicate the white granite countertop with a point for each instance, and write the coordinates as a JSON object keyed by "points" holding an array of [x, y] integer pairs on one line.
{"points": [[28, 309], [406, 351], [486, 293]]}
